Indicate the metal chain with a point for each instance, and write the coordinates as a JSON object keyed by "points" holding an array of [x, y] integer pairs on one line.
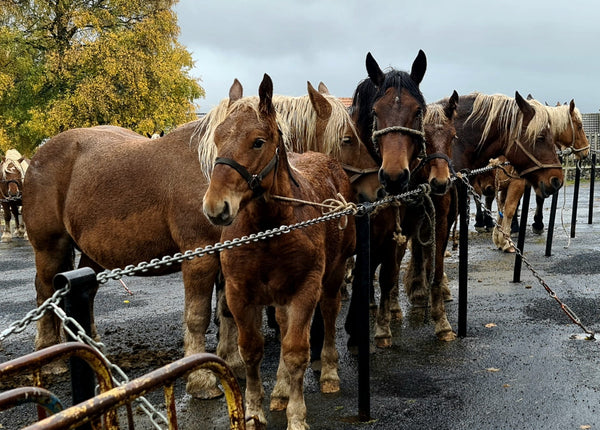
{"points": [[566, 309]]}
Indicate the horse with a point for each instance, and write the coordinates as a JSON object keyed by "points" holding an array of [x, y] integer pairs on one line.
{"points": [[388, 109], [256, 184], [13, 167], [122, 222], [429, 238], [567, 128]]}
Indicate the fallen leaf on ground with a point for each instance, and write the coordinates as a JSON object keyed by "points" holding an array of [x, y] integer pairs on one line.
{"points": [[492, 369], [488, 325]]}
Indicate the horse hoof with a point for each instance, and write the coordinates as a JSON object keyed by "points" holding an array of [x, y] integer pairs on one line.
{"points": [[447, 336], [253, 423], [278, 403], [510, 250], [383, 342], [329, 387], [537, 230], [447, 297], [203, 393]]}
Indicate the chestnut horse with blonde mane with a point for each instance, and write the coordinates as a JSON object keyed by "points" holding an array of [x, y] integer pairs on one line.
{"points": [[567, 127], [256, 184], [122, 222]]}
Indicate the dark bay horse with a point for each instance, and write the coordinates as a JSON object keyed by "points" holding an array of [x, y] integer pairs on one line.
{"points": [[122, 221], [389, 111], [12, 168], [256, 184]]}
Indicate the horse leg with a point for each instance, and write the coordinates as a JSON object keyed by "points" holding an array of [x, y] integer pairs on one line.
{"points": [[56, 256], [479, 218], [19, 227], [6, 235], [329, 307], [389, 274], [295, 352], [227, 347], [199, 276], [439, 285], [514, 225], [538, 224], [251, 344], [489, 221]]}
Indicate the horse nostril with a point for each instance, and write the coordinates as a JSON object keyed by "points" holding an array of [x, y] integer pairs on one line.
{"points": [[556, 183], [225, 213]]}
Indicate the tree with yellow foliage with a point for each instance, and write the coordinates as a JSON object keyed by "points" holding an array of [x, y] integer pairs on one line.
{"points": [[80, 63]]}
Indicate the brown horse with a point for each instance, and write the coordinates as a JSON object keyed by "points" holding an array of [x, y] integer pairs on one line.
{"points": [[252, 183], [389, 112], [122, 222], [12, 167], [567, 128], [489, 126]]}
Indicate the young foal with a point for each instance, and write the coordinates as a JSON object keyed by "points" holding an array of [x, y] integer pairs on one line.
{"points": [[292, 272]]}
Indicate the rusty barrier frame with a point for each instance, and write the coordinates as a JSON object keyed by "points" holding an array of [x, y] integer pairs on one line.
{"points": [[165, 376], [32, 363]]}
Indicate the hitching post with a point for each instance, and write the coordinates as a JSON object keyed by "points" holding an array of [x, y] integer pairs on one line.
{"points": [[592, 180], [522, 230], [551, 224], [78, 305], [463, 257], [362, 287], [575, 198]]}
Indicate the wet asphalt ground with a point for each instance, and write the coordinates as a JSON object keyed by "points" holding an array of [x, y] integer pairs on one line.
{"points": [[519, 367]]}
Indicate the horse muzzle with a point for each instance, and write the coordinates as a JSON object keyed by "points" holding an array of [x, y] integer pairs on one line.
{"points": [[395, 184], [220, 215], [547, 190]]}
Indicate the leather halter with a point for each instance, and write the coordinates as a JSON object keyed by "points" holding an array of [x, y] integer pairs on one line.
{"points": [[539, 165], [358, 173], [254, 180]]}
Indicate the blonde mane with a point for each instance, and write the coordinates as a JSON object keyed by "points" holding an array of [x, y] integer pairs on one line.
{"points": [[296, 118], [504, 110], [14, 158], [560, 116], [435, 115]]}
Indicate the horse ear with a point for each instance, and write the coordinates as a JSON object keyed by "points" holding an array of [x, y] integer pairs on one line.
{"points": [[319, 102], [526, 108], [450, 108], [418, 67], [236, 91], [323, 88], [529, 96], [149, 135], [162, 133], [572, 105], [265, 94], [374, 71]]}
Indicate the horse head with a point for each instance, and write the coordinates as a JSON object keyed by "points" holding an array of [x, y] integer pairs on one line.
{"points": [[346, 145], [440, 134], [533, 152], [391, 109], [249, 149]]}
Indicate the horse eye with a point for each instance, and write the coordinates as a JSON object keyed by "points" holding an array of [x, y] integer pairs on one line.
{"points": [[258, 143], [346, 140]]}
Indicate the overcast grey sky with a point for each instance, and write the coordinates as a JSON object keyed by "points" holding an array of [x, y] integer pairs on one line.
{"points": [[547, 48]]}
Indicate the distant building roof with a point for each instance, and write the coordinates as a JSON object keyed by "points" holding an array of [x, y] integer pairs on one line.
{"points": [[346, 100]]}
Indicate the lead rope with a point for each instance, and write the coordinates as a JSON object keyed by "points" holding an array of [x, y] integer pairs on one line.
{"points": [[327, 206]]}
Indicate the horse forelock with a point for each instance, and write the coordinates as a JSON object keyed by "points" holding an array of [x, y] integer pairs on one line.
{"points": [[204, 133], [503, 112], [435, 115], [400, 80], [14, 163], [560, 116]]}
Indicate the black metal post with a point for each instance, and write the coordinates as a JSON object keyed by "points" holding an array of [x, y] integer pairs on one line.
{"points": [[522, 231], [592, 181], [362, 288], [78, 304], [463, 258], [551, 224], [575, 198]]}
